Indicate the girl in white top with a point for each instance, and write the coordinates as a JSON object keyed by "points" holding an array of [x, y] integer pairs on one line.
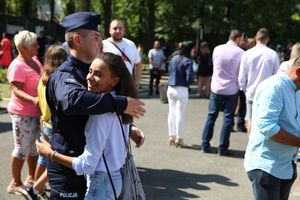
{"points": [[107, 73]]}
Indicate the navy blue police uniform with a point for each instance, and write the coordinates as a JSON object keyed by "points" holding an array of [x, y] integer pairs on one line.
{"points": [[70, 104]]}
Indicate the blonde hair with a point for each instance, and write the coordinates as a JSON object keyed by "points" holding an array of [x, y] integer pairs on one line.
{"points": [[25, 39], [295, 53]]}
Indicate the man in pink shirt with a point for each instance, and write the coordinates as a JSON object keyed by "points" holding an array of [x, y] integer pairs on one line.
{"points": [[224, 91]]}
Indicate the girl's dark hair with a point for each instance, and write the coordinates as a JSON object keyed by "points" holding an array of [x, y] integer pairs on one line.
{"points": [[185, 49], [126, 86], [54, 57]]}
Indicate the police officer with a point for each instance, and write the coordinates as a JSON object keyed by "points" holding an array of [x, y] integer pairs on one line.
{"points": [[71, 103]]}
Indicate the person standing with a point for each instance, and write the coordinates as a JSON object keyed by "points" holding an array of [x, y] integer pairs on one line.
{"points": [[257, 64], [241, 107], [205, 69], [5, 51], [124, 47], [70, 103], [295, 53], [270, 158], [224, 87], [23, 75], [156, 59], [180, 77]]}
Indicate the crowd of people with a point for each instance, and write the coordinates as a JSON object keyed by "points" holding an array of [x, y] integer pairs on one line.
{"points": [[73, 92], [66, 104], [253, 75]]}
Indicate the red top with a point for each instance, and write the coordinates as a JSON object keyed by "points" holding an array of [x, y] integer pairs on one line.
{"points": [[6, 57]]}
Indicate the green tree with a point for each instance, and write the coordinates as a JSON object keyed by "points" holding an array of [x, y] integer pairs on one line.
{"points": [[177, 20], [106, 5]]}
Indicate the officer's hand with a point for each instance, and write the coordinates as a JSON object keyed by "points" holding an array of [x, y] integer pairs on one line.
{"points": [[137, 136], [135, 107]]}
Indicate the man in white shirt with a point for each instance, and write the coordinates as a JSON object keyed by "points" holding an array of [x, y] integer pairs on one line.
{"points": [[156, 59], [257, 64], [124, 47]]}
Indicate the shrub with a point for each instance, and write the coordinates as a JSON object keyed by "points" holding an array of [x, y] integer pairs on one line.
{"points": [[3, 73]]}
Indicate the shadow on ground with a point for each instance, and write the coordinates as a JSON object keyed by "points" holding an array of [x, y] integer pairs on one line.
{"points": [[169, 184], [214, 150], [4, 127], [3, 110]]}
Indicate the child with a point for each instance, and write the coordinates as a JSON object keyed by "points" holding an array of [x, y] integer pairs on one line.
{"points": [[54, 57], [107, 73]]}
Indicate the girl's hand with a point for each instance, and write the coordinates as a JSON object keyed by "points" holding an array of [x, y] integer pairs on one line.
{"points": [[137, 136], [35, 101], [43, 148]]}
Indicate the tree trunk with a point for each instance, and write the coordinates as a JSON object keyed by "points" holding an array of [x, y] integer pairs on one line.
{"points": [[84, 5], [3, 7], [52, 6], [70, 7], [141, 16], [27, 8], [151, 25], [106, 4]]}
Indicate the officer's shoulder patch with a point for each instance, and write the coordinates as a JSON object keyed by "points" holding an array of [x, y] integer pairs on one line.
{"points": [[70, 80]]}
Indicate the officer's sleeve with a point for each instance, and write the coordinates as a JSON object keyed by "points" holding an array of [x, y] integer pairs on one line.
{"points": [[72, 98]]}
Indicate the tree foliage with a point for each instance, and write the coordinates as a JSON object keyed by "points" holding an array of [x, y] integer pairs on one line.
{"points": [[177, 20]]}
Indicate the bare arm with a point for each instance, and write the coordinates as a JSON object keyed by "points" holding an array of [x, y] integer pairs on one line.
{"points": [[137, 136], [150, 60], [17, 89], [44, 149], [1, 45], [137, 73], [285, 138]]}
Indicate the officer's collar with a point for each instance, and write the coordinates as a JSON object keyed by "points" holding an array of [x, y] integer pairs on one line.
{"points": [[78, 64]]}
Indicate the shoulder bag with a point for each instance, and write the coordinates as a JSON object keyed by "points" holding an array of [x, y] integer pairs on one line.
{"points": [[132, 188]]}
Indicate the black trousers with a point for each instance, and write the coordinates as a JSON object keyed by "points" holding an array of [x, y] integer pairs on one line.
{"points": [[154, 74], [242, 110]]}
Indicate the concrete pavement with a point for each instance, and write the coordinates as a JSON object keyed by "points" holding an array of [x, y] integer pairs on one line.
{"points": [[170, 173]]}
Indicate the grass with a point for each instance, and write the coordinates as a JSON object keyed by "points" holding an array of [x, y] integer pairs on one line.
{"points": [[4, 86], [4, 91]]}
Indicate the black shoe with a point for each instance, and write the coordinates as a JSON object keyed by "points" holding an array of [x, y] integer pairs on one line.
{"points": [[242, 129], [29, 195], [224, 153], [205, 150], [43, 196]]}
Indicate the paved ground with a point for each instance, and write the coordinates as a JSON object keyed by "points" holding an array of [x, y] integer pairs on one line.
{"points": [[170, 173]]}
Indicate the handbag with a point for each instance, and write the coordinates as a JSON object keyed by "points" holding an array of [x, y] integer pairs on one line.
{"points": [[132, 188]]}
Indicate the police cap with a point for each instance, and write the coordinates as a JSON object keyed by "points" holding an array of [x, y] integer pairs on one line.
{"points": [[85, 20]]}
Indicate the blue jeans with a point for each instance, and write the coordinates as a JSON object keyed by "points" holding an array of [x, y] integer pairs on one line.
{"points": [[267, 187], [216, 102], [48, 133], [99, 185]]}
